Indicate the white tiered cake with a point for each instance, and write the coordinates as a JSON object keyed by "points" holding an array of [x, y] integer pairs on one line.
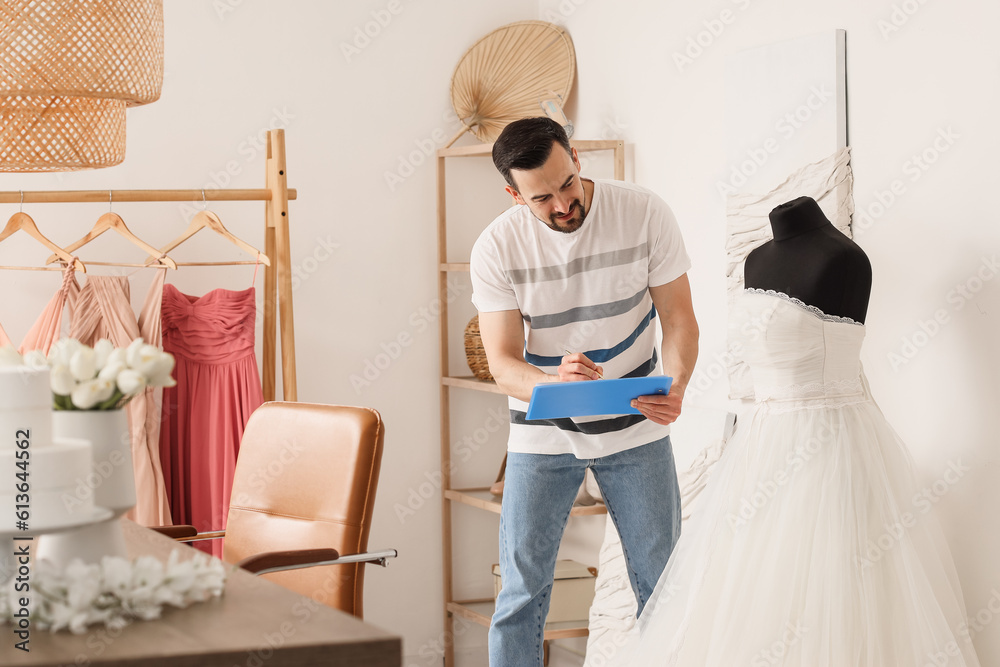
{"points": [[37, 474]]}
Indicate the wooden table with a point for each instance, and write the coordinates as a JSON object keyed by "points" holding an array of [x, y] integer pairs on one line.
{"points": [[255, 623]]}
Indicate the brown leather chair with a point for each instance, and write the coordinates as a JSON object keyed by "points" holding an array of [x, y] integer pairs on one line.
{"points": [[305, 480]]}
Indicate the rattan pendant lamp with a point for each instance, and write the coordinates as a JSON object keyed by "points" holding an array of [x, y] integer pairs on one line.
{"points": [[507, 74], [68, 70]]}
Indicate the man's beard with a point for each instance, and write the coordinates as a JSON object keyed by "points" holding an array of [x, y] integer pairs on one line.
{"points": [[571, 225]]}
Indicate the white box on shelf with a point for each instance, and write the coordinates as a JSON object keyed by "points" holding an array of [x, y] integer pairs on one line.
{"points": [[572, 591]]}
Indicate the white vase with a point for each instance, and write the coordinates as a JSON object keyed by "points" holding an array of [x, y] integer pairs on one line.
{"points": [[112, 479], [111, 482]]}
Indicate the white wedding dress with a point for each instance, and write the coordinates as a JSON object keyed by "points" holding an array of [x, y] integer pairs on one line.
{"points": [[812, 545]]}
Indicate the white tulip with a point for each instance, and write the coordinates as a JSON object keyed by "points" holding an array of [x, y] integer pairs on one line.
{"points": [[112, 370], [90, 393], [131, 382], [103, 350], [163, 381], [36, 359], [145, 360], [62, 350], [160, 369], [133, 351], [54, 350], [117, 356], [62, 381], [10, 357], [83, 364]]}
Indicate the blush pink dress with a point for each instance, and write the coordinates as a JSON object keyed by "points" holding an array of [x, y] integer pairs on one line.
{"points": [[218, 387], [47, 327], [102, 309]]}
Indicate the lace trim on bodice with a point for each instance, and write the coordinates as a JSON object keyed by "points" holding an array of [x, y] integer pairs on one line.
{"points": [[811, 395], [805, 306]]}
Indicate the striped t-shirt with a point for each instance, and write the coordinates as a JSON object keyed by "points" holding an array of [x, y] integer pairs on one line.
{"points": [[586, 291]]}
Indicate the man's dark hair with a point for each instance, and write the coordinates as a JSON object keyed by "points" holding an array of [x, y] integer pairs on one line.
{"points": [[527, 144]]}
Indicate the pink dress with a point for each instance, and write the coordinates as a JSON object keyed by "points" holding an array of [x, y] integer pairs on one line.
{"points": [[218, 387], [102, 309], [46, 328]]}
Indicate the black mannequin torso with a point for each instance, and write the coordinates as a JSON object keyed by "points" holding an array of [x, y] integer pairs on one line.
{"points": [[812, 260]]}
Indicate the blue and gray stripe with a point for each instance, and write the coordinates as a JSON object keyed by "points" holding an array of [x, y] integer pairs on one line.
{"points": [[597, 356], [584, 313]]}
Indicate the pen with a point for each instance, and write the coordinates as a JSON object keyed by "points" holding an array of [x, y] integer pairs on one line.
{"points": [[598, 372]]}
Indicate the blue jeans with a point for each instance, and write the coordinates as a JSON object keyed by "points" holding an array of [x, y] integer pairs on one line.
{"points": [[640, 490]]}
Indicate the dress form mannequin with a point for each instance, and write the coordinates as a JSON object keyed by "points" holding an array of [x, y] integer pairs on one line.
{"points": [[811, 260]]}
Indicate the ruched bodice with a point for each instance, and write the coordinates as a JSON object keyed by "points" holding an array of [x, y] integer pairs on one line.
{"points": [[798, 353], [217, 328]]}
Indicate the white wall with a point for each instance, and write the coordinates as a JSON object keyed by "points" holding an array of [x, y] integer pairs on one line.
{"points": [[365, 252], [936, 73]]}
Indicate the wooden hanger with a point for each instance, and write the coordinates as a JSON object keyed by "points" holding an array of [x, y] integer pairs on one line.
{"points": [[209, 220], [22, 222], [114, 221]]}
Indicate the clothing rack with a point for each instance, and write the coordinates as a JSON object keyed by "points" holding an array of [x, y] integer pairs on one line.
{"points": [[277, 281]]}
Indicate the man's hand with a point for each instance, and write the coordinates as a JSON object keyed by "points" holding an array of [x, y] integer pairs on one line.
{"points": [[575, 367], [680, 349], [660, 409]]}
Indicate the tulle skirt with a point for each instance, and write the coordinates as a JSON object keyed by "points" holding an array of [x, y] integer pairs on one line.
{"points": [[813, 545]]}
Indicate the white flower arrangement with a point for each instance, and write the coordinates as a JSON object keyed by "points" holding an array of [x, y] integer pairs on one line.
{"points": [[97, 378], [116, 592]]}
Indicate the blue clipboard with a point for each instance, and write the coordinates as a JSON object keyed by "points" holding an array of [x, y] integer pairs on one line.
{"points": [[593, 397]]}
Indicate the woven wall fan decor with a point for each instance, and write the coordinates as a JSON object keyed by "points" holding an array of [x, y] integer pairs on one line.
{"points": [[507, 74], [68, 70]]}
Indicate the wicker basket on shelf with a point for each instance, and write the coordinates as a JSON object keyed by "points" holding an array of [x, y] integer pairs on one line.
{"points": [[474, 352]]}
